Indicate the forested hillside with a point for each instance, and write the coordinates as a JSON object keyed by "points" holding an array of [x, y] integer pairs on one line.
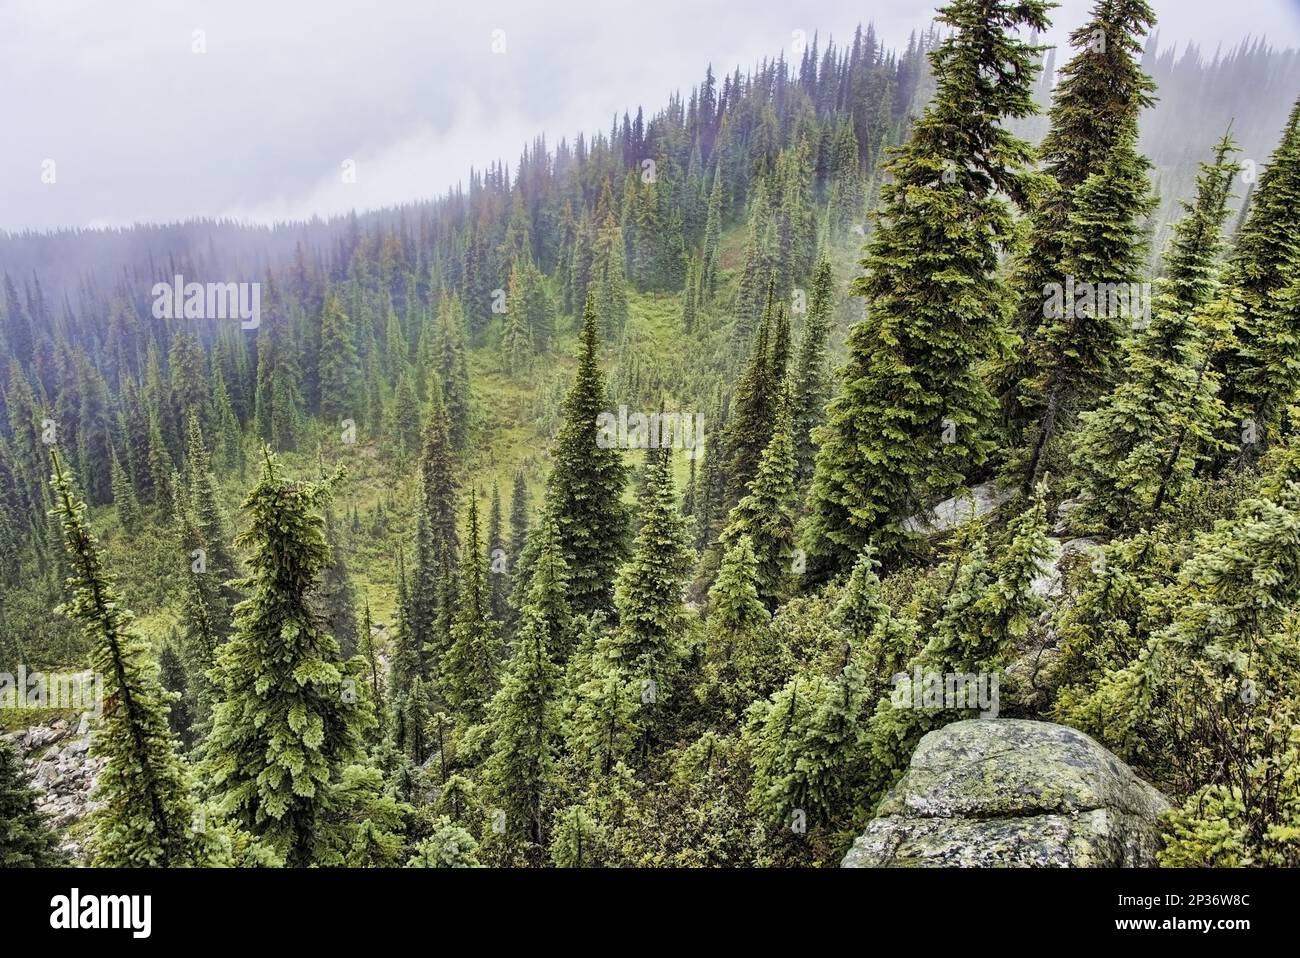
{"points": [[583, 517]]}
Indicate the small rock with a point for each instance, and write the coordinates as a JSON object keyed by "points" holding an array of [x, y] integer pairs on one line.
{"points": [[975, 502]]}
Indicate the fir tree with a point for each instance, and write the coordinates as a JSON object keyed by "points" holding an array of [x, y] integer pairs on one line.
{"points": [[518, 518], [525, 713], [646, 648], [406, 426], [584, 491], [766, 516], [453, 369], [1077, 346], [753, 412], [498, 567], [809, 380], [1095, 107], [470, 669], [1262, 367], [124, 500], [371, 655], [26, 837], [1139, 447], [936, 300], [340, 364], [171, 674], [284, 728], [147, 810]]}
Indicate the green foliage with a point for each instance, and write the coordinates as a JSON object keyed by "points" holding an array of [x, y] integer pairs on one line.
{"points": [[584, 492], [147, 812], [449, 846], [470, 670], [27, 839], [766, 516], [936, 299], [284, 728]]}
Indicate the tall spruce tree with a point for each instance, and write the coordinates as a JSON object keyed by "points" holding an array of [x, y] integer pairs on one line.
{"points": [[936, 301], [284, 728], [525, 714], [1262, 367], [809, 379], [470, 669], [766, 516], [1138, 448], [584, 492], [1077, 346], [645, 649], [147, 813], [1095, 107]]}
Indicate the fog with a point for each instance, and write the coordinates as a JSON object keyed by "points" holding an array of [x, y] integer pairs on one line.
{"points": [[158, 110]]}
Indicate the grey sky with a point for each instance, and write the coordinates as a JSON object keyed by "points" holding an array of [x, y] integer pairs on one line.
{"points": [[141, 128]]}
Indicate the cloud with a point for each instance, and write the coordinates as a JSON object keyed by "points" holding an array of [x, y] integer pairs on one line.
{"points": [[143, 128]]}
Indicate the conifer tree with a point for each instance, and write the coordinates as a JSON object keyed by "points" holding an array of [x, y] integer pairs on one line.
{"points": [[406, 426], [407, 661], [935, 297], [335, 591], [453, 369], [848, 191], [26, 838], [882, 641], [470, 669], [1095, 108], [1139, 447], [449, 846], [415, 721], [498, 567], [809, 379], [708, 278], [734, 605], [518, 518], [1077, 346], [645, 649], [754, 405], [437, 541], [516, 335], [766, 516], [340, 364], [377, 686], [284, 728], [610, 265], [147, 810], [525, 713], [171, 674], [1262, 367], [584, 491], [124, 500]]}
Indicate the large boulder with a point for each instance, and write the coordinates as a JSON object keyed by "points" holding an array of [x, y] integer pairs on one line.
{"points": [[1009, 792]]}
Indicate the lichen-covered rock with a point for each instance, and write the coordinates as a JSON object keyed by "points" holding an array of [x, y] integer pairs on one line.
{"points": [[1010, 792]]}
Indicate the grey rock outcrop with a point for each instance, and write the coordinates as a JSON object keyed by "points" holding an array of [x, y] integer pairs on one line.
{"points": [[975, 502], [63, 773], [1015, 793]]}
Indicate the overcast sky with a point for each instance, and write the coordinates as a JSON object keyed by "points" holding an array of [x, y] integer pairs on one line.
{"points": [[140, 127]]}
